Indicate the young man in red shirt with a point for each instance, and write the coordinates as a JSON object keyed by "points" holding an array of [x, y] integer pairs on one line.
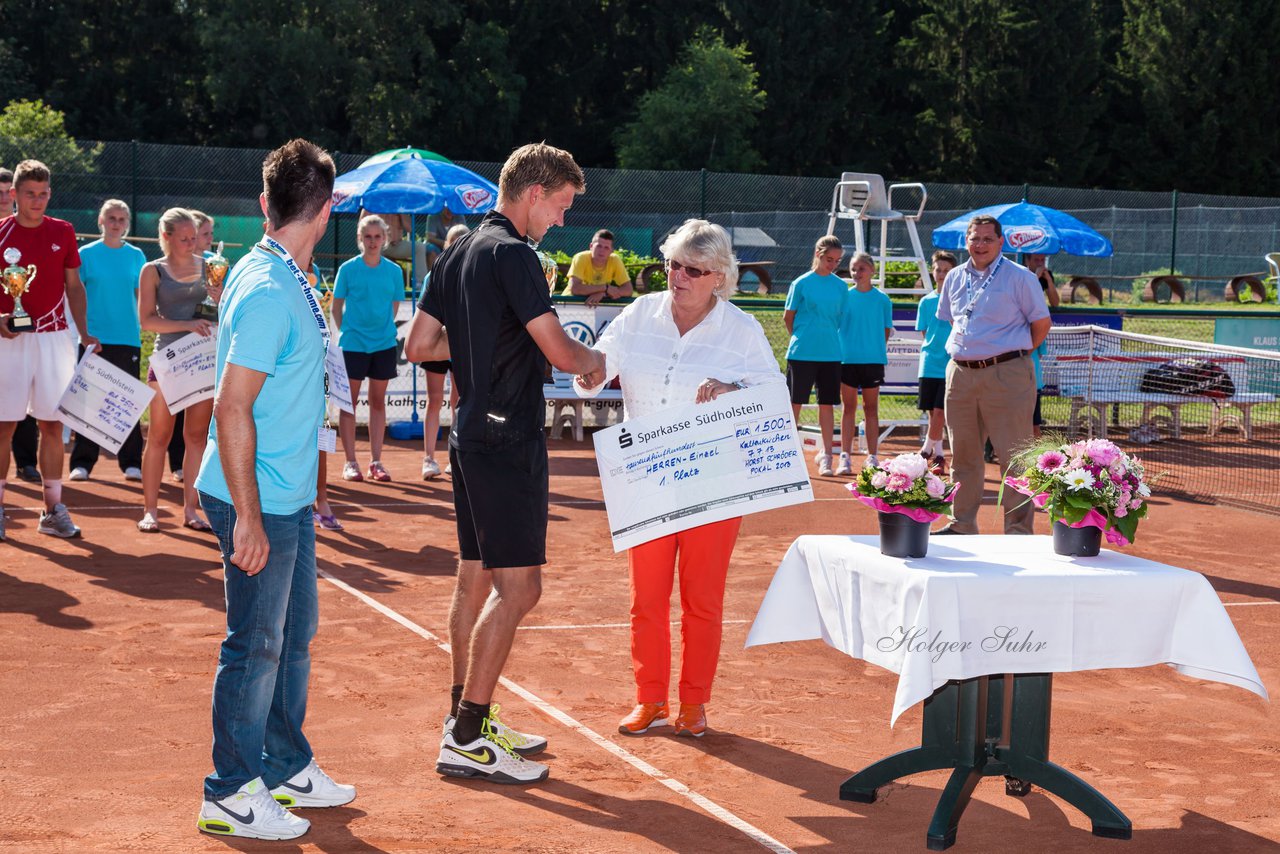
{"points": [[40, 360]]}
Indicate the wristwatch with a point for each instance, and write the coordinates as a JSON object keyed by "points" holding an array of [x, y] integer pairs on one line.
{"points": [[739, 384]]}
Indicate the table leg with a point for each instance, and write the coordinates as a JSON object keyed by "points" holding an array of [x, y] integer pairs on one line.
{"points": [[1107, 819], [861, 787], [946, 817]]}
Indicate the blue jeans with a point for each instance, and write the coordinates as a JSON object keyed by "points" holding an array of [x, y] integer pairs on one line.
{"points": [[260, 691]]}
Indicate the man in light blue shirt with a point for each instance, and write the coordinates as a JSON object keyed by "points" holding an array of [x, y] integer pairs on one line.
{"points": [[257, 482], [110, 269], [997, 318]]}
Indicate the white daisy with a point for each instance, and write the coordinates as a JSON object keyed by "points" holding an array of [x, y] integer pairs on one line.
{"points": [[1078, 479]]}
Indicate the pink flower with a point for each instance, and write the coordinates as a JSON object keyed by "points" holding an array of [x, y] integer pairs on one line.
{"points": [[1050, 461], [898, 483], [1121, 511], [934, 486], [879, 479], [1103, 452], [1135, 504], [1116, 538], [912, 465], [1117, 471]]}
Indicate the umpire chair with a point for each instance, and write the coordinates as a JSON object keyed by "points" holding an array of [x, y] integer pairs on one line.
{"points": [[861, 197]]}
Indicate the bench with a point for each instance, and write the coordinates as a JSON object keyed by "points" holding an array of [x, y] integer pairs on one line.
{"points": [[562, 398], [1092, 384]]}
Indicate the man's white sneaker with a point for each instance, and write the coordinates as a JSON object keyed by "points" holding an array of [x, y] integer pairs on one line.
{"points": [[57, 522], [133, 473], [430, 469], [845, 466], [489, 757], [824, 466], [251, 812], [311, 787], [79, 473], [521, 742]]}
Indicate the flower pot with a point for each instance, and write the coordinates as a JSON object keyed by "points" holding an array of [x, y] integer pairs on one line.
{"points": [[1077, 542], [902, 536]]}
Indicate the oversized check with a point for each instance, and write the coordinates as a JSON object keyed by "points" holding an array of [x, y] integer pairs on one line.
{"points": [[701, 463], [186, 370], [103, 403]]}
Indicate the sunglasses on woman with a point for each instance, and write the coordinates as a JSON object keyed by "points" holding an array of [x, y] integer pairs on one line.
{"points": [[691, 272]]}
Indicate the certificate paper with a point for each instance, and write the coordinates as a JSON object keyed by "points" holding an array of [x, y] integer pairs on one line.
{"points": [[186, 370], [701, 463], [103, 403]]}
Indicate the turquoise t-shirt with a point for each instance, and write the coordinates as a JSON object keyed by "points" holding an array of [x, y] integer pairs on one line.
{"points": [[817, 302], [933, 353], [866, 316], [267, 326], [110, 279], [369, 310]]}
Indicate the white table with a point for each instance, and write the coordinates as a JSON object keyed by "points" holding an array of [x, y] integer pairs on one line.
{"points": [[975, 630]]}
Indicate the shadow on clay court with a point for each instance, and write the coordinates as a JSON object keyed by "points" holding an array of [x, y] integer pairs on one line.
{"points": [[1244, 588], [330, 832], [41, 601], [670, 825], [153, 576]]}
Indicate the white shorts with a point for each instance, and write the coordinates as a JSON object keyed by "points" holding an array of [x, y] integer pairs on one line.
{"points": [[35, 369]]}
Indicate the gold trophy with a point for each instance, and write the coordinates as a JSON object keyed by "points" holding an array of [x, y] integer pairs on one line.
{"points": [[215, 272], [549, 269], [16, 281]]}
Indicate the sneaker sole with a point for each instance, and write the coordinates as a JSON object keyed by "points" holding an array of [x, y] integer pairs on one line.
{"points": [[656, 722], [468, 772], [43, 530], [688, 733], [218, 827], [294, 802]]}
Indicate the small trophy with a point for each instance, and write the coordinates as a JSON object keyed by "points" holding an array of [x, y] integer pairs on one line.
{"points": [[16, 281], [549, 269], [215, 271]]}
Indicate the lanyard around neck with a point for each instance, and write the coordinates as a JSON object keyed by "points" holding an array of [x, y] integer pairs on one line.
{"points": [[272, 247], [969, 286]]}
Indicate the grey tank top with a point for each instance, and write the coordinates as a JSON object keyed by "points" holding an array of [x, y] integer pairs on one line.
{"points": [[176, 300]]}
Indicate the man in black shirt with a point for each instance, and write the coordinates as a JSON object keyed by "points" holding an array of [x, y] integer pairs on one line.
{"points": [[487, 309]]}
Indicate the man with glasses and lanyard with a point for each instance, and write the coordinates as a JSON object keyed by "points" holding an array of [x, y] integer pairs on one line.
{"points": [[998, 317], [257, 483]]}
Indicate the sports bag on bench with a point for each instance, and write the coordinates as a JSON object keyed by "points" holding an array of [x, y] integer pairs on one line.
{"points": [[1189, 376]]}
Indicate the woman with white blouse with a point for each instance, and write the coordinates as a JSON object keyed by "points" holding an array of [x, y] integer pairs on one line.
{"points": [[683, 345]]}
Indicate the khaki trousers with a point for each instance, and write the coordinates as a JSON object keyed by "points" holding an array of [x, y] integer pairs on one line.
{"points": [[998, 402]]}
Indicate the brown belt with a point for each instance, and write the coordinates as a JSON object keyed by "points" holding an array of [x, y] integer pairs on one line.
{"points": [[994, 360]]}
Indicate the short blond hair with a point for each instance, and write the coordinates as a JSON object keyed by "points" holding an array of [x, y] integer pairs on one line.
{"points": [[538, 164], [115, 205], [374, 220], [707, 245], [29, 170], [454, 232], [169, 220]]}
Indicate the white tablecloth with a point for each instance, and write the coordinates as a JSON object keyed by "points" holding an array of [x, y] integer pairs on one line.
{"points": [[980, 605]]}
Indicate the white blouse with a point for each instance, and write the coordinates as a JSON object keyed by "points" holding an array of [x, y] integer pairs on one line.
{"points": [[660, 368]]}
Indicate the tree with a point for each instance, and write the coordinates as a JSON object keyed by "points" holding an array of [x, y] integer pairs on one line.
{"points": [[701, 115], [1198, 91], [31, 129], [1007, 91]]}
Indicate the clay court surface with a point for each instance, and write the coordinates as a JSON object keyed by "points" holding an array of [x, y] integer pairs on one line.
{"points": [[108, 646]]}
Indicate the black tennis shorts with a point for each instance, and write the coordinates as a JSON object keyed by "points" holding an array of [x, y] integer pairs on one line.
{"points": [[371, 366], [862, 376], [500, 501], [933, 393], [802, 376], [1037, 419], [442, 367]]}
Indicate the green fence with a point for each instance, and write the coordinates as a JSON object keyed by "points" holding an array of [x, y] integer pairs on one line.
{"points": [[774, 218]]}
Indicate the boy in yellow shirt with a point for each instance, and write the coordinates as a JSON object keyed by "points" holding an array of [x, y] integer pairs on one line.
{"points": [[597, 273]]}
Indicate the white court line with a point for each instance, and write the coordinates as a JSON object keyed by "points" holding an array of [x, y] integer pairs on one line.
{"points": [[754, 833], [603, 626], [1247, 604]]}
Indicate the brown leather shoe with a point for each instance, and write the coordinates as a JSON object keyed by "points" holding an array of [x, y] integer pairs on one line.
{"points": [[692, 720], [643, 716]]}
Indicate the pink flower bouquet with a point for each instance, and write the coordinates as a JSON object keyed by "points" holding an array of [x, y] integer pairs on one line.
{"points": [[1085, 483], [904, 485]]}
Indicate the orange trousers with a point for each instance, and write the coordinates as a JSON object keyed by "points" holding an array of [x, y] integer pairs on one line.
{"points": [[703, 554]]}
